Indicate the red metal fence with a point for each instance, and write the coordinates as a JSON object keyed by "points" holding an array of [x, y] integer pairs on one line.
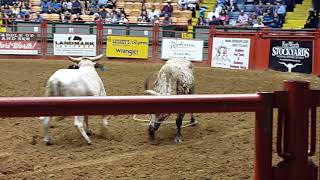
{"points": [[293, 104]]}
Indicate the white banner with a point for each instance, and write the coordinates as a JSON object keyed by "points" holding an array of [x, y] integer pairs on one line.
{"points": [[74, 45], [182, 48], [232, 53]]}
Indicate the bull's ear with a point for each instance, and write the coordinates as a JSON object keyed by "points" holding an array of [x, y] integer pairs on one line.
{"points": [[151, 92]]}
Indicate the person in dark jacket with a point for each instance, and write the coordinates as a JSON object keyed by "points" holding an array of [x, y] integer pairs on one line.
{"points": [[311, 21]]}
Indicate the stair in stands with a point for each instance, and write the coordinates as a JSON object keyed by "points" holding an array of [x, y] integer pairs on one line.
{"points": [[297, 18]]}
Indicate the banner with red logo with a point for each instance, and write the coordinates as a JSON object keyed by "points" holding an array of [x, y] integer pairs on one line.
{"points": [[18, 43]]}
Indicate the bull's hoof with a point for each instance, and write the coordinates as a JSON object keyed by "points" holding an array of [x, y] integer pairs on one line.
{"points": [[178, 140], [48, 142], [193, 121], [89, 143], [89, 132]]}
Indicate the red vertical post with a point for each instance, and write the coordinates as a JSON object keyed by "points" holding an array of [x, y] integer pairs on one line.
{"points": [[212, 31], [99, 36], [44, 27], [263, 139], [316, 55], [155, 41], [296, 166]]}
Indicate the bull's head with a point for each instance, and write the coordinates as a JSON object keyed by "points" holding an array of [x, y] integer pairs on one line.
{"points": [[155, 119], [86, 60]]}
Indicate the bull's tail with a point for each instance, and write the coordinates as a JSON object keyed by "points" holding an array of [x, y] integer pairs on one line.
{"points": [[146, 82], [53, 89]]}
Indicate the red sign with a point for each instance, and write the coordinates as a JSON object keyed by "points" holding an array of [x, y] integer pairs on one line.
{"points": [[18, 43]]}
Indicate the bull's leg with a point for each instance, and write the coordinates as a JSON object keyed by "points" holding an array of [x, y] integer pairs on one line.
{"points": [[193, 121], [178, 124], [45, 123], [153, 127], [79, 123], [105, 121], [87, 129]]}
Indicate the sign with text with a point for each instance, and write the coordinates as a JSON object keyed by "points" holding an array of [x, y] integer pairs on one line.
{"points": [[127, 47], [231, 53], [74, 45], [18, 43], [291, 56], [182, 48]]}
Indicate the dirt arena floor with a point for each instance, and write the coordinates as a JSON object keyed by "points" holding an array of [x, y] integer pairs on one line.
{"points": [[220, 147]]}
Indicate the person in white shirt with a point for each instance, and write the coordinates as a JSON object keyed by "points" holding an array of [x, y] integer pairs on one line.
{"points": [[258, 23], [215, 12], [153, 13]]}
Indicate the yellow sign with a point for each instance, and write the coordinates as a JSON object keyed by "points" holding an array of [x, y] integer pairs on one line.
{"points": [[127, 47], [2, 29]]}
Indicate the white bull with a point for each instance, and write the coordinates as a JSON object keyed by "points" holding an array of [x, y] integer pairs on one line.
{"points": [[174, 78], [83, 81]]}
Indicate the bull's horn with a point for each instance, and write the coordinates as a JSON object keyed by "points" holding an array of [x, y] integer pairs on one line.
{"points": [[75, 59], [151, 92], [96, 58]]}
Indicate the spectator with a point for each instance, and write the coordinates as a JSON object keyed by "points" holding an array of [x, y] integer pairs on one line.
{"points": [[15, 10], [123, 12], [202, 11], [259, 23], [56, 7], [38, 18], [192, 6], [201, 22], [45, 6], [215, 12], [78, 19], [123, 19], [7, 2], [220, 2], [96, 17], [253, 19], [260, 10], [145, 15], [114, 19], [76, 7], [93, 9], [311, 21], [267, 17], [276, 23], [102, 3], [269, 7], [108, 19], [26, 16], [103, 13], [109, 5], [230, 5], [167, 20], [183, 4], [281, 11], [67, 6], [67, 17], [167, 9], [153, 13], [214, 21], [243, 18], [223, 17], [155, 20]]}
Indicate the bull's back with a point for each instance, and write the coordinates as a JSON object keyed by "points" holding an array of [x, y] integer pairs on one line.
{"points": [[67, 82]]}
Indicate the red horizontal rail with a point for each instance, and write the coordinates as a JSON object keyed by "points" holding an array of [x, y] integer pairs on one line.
{"points": [[58, 106]]}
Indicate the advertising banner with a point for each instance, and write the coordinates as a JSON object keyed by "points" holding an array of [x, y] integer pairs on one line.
{"points": [[127, 47], [291, 56], [74, 45], [18, 43], [231, 53], [182, 48]]}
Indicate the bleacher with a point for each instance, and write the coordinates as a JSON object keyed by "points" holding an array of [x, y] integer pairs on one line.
{"points": [[131, 8]]}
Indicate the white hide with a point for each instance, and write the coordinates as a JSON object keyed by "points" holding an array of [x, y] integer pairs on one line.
{"points": [[84, 81], [175, 78]]}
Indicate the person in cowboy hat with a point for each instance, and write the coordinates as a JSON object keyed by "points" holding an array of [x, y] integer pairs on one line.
{"points": [[167, 9]]}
